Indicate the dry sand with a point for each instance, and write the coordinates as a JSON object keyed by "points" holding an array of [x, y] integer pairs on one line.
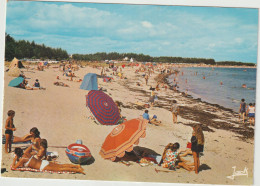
{"points": [[61, 115]]}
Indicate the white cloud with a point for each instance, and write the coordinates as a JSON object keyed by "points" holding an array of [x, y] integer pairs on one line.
{"points": [[146, 24]]}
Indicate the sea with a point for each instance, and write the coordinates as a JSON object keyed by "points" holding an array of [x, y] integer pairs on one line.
{"points": [[222, 86]]}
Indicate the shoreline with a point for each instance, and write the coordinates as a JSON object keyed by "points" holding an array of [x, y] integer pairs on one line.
{"points": [[247, 133]]}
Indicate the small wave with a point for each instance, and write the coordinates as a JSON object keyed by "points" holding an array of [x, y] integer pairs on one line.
{"points": [[235, 100]]}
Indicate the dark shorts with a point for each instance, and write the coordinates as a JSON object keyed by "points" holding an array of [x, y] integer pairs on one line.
{"points": [[251, 115], [197, 148], [242, 111], [10, 132]]}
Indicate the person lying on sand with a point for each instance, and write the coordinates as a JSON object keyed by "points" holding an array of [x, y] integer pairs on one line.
{"points": [[25, 159], [171, 159], [60, 84]]}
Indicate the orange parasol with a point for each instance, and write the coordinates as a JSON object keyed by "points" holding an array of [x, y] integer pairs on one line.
{"points": [[122, 138]]}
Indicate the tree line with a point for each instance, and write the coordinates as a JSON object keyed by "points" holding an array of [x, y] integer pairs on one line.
{"points": [[234, 63], [101, 56], [140, 57], [25, 49]]}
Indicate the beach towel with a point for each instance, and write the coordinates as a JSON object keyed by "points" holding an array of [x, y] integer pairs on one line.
{"points": [[37, 170]]}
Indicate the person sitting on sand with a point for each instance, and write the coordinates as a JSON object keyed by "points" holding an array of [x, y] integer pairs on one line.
{"points": [[153, 120], [251, 113], [25, 159], [36, 84], [9, 128], [42, 153], [25, 85], [170, 158]]}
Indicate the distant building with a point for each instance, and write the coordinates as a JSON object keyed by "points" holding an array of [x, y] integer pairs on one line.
{"points": [[132, 60], [126, 59]]}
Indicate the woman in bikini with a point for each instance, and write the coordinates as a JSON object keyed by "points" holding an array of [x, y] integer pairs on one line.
{"points": [[25, 159], [34, 137], [35, 140], [42, 153]]}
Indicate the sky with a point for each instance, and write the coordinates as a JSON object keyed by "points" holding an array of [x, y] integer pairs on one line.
{"points": [[224, 34]]}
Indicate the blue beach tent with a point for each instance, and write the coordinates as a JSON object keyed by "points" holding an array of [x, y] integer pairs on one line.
{"points": [[89, 82]]}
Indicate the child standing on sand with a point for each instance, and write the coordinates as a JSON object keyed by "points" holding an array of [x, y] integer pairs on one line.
{"points": [[9, 126], [251, 113]]}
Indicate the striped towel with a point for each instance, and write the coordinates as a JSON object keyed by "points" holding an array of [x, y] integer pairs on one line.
{"points": [[37, 170]]}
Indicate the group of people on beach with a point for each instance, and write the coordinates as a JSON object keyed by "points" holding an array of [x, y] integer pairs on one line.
{"points": [[172, 158], [248, 111], [35, 155]]}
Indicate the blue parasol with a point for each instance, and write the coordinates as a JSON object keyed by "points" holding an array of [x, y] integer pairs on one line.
{"points": [[15, 82]]}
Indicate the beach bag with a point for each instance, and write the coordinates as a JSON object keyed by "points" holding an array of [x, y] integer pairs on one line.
{"points": [[189, 145]]}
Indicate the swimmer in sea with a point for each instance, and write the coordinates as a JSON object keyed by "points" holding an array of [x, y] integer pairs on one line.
{"points": [[244, 86], [221, 83]]}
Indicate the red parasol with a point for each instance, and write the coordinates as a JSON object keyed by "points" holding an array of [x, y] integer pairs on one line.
{"points": [[122, 138]]}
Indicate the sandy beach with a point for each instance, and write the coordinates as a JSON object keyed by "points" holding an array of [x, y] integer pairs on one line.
{"points": [[61, 116]]}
